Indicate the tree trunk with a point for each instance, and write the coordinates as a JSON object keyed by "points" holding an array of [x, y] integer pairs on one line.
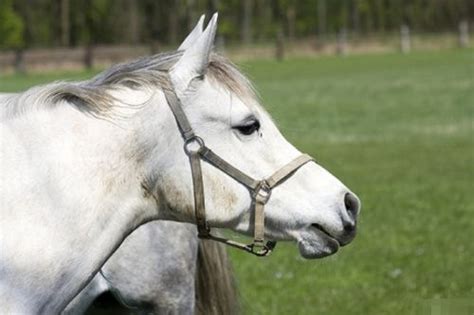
{"points": [[290, 17], [280, 46], [88, 51], [191, 14], [355, 16], [214, 6], [65, 23], [322, 18], [173, 20], [246, 28], [380, 15], [133, 28]]}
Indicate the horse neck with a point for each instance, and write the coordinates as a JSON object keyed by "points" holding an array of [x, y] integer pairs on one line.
{"points": [[130, 213], [8, 104], [93, 170]]}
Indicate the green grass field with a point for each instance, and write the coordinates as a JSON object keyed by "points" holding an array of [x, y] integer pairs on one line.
{"points": [[399, 131]]}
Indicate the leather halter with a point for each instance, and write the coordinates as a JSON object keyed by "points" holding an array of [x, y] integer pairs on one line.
{"points": [[260, 190]]}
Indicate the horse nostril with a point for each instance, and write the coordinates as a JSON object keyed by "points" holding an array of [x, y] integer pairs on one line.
{"points": [[349, 228], [352, 204]]}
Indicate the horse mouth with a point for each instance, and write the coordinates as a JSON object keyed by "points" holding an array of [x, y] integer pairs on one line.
{"points": [[316, 242], [325, 232]]}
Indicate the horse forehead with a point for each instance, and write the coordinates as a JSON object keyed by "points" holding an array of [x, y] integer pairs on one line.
{"points": [[214, 98]]}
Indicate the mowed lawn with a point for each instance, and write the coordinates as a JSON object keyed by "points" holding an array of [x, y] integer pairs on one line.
{"points": [[399, 131]]}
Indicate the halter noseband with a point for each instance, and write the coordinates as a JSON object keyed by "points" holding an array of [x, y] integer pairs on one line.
{"points": [[260, 190]]}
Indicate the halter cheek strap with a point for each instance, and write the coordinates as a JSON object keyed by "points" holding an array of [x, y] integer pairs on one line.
{"points": [[260, 190]]}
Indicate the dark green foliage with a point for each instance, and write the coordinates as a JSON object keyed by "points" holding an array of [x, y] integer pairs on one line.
{"points": [[167, 21], [11, 26]]}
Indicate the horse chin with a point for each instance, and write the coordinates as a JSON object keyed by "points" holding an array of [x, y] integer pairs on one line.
{"points": [[314, 243]]}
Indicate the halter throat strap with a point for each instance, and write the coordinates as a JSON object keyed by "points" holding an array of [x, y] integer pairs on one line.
{"points": [[260, 190]]}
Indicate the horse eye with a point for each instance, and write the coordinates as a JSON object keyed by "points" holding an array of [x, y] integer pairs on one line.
{"points": [[249, 128]]}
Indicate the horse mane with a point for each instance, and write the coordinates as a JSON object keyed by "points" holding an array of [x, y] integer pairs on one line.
{"points": [[93, 96], [216, 288]]}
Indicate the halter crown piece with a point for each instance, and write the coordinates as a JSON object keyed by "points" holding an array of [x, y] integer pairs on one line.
{"points": [[260, 190]]}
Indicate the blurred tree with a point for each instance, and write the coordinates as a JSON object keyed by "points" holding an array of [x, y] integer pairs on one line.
{"points": [[380, 15], [65, 22], [246, 20], [152, 25], [355, 16], [173, 20], [265, 24], [191, 13], [322, 15], [11, 26], [133, 17]]}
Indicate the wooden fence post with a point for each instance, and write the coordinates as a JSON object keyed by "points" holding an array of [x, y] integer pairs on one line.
{"points": [[405, 41], [89, 57], [220, 44], [463, 34], [19, 62], [342, 42], [280, 46]]}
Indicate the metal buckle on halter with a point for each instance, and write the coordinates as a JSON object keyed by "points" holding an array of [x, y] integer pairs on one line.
{"points": [[203, 229], [261, 249], [263, 192], [193, 140]]}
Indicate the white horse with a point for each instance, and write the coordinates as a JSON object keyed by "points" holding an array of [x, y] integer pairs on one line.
{"points": [[152, 273], [84, 164]]}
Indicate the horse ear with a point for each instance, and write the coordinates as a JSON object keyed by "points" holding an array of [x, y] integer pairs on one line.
{"points": [[193, 36], [194, 61]]}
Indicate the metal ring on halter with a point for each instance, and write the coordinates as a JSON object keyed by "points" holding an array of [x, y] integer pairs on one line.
{"points": [[261, 250], [262, 192], [194, 139]]}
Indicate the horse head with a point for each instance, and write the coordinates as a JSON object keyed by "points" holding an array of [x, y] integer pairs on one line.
{"points": [[311, 206]]}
